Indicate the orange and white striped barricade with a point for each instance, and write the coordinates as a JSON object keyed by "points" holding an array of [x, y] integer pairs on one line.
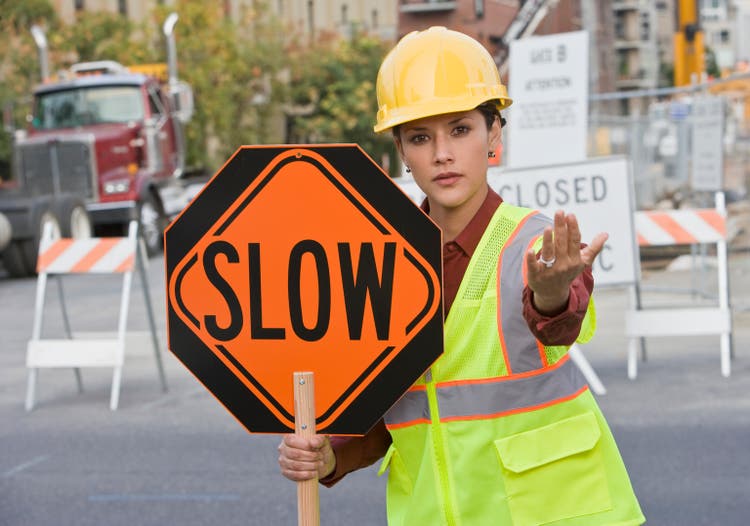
{"points": [[107, 255], [679, 227]]}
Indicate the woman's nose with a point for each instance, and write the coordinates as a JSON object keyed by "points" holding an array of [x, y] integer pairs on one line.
{"points": [[443, 152]]}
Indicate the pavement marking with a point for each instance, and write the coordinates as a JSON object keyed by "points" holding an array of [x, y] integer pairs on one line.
{"points": [[21, 467], [160, 497]]}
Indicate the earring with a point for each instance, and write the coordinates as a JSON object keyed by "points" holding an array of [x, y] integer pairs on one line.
{"points": [[491, 155], [408, 170]]}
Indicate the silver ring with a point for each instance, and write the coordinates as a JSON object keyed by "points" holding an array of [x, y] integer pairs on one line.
{"points": [[547, 262]]}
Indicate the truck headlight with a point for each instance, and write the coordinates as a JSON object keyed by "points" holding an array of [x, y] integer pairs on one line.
{"points": [[118, 186]]}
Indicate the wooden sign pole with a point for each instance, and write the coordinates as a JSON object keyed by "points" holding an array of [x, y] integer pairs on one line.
{"points": [[308, 504]]}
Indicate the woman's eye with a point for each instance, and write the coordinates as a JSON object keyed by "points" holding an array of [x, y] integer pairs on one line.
{"points": [[460, 130], [418, 139]]}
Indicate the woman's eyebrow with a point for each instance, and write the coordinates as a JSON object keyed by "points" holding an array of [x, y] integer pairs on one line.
{"points": [[426, 128], [458, 119]]}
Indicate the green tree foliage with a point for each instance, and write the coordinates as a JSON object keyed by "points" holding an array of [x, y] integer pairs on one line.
{"points": [[19, 67], [712, 67], [231, 67], [21, 15], [99, 35], [334, 79]]}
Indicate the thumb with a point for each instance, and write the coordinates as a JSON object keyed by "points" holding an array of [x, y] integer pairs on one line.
{"points": [[531, 261], [317, 441], [588, 254]]}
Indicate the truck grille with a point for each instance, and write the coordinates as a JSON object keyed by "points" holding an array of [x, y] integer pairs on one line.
{"points": [[51, 166]]}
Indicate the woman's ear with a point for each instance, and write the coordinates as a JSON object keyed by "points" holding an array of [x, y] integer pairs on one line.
{"points": [[399, 148], [495, 135]]}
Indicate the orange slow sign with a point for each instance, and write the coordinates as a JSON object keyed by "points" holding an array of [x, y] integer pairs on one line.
{"points": [[301, 272]]}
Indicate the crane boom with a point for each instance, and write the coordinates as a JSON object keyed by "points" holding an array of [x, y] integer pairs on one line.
{"points": [[689, 60]]}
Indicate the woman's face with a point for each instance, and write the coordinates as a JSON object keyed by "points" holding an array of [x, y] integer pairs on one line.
{"points": [[447, 155]]}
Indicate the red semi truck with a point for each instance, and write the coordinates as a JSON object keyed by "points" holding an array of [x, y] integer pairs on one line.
{"points": [[104, 145]]}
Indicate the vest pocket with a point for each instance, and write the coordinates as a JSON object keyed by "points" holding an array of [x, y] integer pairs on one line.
{"points": [[398, 478], [555, 472], [399, 488]]}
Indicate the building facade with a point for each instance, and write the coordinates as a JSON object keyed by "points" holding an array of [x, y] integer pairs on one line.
{"points": [[742, 24], [489, 20], [340, 16], [136, 10], [309, 17], [719, 31], [635, 44]]}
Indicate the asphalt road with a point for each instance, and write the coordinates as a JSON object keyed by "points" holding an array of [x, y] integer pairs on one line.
{"points": [[180, 458]]}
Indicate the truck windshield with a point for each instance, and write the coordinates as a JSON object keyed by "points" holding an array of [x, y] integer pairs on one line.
{"points": [[87, 106]]}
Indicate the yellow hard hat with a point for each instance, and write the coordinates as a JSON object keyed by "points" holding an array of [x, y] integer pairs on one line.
{"points": [[436, 71]]}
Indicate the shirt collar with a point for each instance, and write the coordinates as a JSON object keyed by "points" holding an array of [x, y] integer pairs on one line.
{"points": [[469, 238]]}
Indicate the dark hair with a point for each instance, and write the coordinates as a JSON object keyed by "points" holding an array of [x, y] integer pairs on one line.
{"points": [[490, 112], [488, 109]]}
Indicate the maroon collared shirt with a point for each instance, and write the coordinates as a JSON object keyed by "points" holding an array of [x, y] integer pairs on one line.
{"points": [[354, 453]]}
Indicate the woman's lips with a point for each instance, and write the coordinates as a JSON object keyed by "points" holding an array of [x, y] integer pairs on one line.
{"points": [[447, 178]]}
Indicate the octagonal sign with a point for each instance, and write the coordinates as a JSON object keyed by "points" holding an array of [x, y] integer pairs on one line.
{"points": [[304, 258]]}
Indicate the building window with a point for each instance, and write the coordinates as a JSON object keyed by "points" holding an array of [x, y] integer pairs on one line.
{"points": [[122, 7], [479, 8], [344, 14], [374, 18], [78, 5]]}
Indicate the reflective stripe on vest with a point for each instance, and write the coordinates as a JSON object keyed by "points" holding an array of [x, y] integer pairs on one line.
{"points": [[491, 397], [522, 351], [530, 384]]}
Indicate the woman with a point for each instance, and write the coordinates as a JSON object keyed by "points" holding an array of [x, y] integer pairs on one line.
{"points": [[502, 429]]}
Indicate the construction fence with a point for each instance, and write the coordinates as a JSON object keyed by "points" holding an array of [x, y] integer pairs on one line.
{"points": [[662, 133], [662, 137]]}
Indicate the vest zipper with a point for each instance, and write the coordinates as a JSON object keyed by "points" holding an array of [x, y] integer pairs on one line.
{"points": [[441, 457]]}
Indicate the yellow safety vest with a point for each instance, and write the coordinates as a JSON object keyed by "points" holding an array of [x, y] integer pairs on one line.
{"points": [[503, 430]]}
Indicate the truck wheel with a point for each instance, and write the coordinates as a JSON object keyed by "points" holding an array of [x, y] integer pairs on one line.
{"points": [[19, 258], [74, 219], [6, 232], [14, 262], [44, 216], [151, 225]]}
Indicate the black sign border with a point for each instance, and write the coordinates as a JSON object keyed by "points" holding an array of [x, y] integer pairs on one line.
{"points": [[384, 195]]}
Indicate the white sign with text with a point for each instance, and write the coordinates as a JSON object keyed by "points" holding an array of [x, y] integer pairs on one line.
{"points": [[549, 85], [707, 150]]}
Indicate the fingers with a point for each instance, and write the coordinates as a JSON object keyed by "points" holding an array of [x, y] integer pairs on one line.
{"points": [[532, 264], [303, 458], [567, 241], [548, 245], [561, 249], [588, 254], [574, 237], [561, 234], [559, 241]]}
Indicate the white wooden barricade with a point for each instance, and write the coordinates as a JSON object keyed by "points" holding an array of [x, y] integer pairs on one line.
{"points": [[674, 228], [87, 256]]}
